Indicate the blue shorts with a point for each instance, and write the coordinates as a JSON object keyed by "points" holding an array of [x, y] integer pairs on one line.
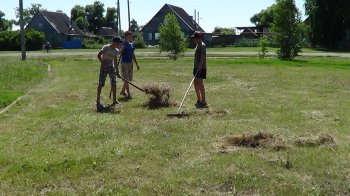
{"points": [[202, 74], [110, 70]]}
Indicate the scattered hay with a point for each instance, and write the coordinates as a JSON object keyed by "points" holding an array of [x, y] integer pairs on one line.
{"points": [[259, 140], [227, 187], [321, 140], [159, 96]]}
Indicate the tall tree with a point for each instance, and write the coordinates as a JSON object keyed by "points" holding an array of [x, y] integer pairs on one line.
{"points": [[82, 23], [171, 39], [264, 18], [94, 13], [286, 29], [28, 13], [134, 27], [4, 24], [329, 22], [77, 11], [111, 18]]}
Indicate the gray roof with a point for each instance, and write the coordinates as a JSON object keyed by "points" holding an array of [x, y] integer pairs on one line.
{"points": [[183, 15], [61, 23], [106, 31]]}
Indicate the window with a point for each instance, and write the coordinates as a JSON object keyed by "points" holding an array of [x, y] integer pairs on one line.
{"points": [[150, 36], [157, 36], [40, 25]]}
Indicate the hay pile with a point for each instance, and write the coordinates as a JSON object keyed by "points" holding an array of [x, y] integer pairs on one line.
{"points": [[258, 140], [159, 96], [321, 140]]}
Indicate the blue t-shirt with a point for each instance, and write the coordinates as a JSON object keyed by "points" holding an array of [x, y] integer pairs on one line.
{"points": [[128, 52]]}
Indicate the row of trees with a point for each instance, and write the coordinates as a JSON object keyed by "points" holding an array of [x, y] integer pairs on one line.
{"points": [[92, 16], [327, 24]]}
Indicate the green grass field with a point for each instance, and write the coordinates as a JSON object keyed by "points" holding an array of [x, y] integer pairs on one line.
{"points": [[54, 143], [17, 77]]}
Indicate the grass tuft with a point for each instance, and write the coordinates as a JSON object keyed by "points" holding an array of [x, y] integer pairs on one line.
{"points": [[256, 140], [321, 140]]}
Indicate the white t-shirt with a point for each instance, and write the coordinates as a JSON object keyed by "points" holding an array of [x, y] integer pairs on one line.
{"points": [[108, 54]]}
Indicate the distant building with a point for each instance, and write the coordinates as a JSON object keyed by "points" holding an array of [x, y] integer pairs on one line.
{"points": [[107, 32], [253, 32], [59, 30], [250, 36], [188, 25]]}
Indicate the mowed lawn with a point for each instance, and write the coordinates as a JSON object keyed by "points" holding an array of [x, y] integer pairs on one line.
{"points": [[53, 142]]}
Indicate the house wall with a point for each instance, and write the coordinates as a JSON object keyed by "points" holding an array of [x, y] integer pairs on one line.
{"points": [[39, 23], [151, 31]]}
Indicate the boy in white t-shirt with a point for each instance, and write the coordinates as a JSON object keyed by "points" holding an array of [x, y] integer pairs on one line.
{"points": [[108, 57]]}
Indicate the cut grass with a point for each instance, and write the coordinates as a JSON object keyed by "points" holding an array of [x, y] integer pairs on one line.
{"points": [[53, 141]]}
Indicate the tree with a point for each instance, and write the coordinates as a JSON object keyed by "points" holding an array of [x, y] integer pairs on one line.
{"points": [[94, 13], [77, 11], [28, 13], [286, 29], [329, 23], [134, 27], [171, 39], [111, 18], [82, 23], [264, 18], [4, 24], [224, 31]]}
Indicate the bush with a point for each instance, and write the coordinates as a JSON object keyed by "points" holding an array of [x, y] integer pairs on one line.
{"points": [[138, 41], [248, 43], [10, 40], [93, 44], [34, 39], [263, 44]]}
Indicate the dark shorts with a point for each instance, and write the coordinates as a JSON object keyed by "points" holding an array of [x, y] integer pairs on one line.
{"points": [[110, 70], [202, 74]]}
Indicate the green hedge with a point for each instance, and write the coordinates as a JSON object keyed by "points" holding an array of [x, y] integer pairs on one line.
{"points": [[10, 40]]}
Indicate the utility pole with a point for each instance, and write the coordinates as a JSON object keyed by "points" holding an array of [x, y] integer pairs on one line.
{"points": [[21, 21], [119, 26], [129, 14], [195, 15], [198, 18]]}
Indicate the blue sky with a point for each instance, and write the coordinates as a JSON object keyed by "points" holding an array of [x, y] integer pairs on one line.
{"points": [[223, 13]]}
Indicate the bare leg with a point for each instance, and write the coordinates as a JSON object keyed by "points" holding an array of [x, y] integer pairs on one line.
{"points": [[197, 89], [98, 97], [114, 92], [127, 89], [202, 90]]}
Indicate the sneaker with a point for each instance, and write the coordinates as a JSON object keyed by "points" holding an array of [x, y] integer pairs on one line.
{"points": [[202, 105], [99, 107], [197, 104], [116, 103]]}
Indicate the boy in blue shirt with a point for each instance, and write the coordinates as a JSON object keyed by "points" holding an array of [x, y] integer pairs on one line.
{"points": [[128, 56]]}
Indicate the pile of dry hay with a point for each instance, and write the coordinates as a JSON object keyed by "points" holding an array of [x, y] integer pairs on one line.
{"points": [[159, 96], [258, 140], [321, 140]]}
